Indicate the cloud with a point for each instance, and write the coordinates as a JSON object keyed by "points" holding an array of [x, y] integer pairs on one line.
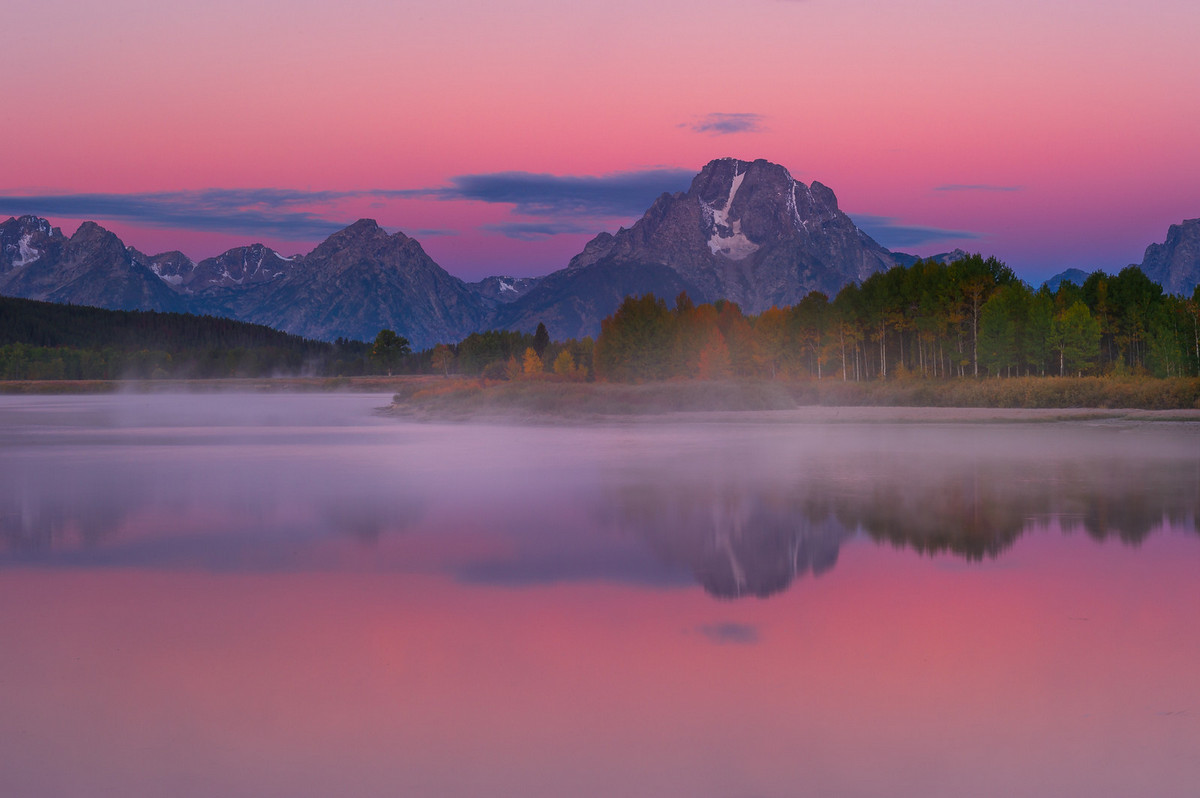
{"points": [[740, 633], [723, 124], [891, 235], [621, 194], [976, 187]]}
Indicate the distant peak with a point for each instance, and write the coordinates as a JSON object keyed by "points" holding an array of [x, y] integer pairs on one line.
{"points": [[367, 229], [29, 223], [91, 230]]}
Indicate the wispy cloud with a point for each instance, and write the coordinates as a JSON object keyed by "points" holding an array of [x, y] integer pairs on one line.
{"points": [[718, 124], [740, 633], [976, 187], [887, 232], [267, 211], [536, 231]]}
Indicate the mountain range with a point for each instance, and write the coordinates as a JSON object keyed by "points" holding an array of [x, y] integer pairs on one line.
{"points": [[744, 231]]}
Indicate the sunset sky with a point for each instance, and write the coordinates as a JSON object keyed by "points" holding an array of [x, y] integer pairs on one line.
{"points": [[504, 134]]}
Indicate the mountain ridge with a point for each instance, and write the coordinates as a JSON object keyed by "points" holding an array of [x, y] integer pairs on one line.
{"points": [[744, 231]]}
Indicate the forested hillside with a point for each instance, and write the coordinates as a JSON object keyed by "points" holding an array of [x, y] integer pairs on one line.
{"points": [[42, 340]]}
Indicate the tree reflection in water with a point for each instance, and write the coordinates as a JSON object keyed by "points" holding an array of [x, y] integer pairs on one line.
{"points": [[746, 538]]}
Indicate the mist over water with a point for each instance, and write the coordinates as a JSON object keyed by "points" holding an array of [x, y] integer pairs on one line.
{"points": [[464, 576], [303, 482]]}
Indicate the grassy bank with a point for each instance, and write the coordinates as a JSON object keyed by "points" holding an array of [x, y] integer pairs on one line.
{"points": [[464, 398]]}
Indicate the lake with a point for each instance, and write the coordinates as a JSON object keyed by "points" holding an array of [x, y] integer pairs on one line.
{"points": [[293, 595]]}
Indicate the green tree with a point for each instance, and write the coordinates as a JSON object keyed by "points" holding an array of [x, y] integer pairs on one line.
{"points": [[636, 341], [388, 349], [1075, 335], [1002, 329], [1038, 328], [541, 339]]}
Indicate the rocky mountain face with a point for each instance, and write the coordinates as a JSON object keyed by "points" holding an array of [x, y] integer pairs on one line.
{"points": [[91, 267], [1175, 263], [744, 231]]}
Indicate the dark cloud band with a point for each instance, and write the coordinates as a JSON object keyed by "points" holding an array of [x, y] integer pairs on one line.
{"points": [[891, 235], [623, 194]]}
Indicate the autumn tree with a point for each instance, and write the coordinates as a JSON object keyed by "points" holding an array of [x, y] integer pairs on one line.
{"points": [[442, 358], [809, 319], [532, 364], [715, 362], [771, 331], [564, 365]]}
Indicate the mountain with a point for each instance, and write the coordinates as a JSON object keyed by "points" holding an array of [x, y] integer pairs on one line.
{"points": [[1076, 276], [744, 231], [1175, 263], [91, 267], [358, 281], [906, 260]]}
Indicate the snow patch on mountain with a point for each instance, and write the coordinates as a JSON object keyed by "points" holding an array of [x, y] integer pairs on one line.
{"points": [[27, 253], [727, 238]]}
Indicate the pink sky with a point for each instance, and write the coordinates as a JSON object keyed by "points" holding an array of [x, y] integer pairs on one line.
{"points": [[1057, 134]]}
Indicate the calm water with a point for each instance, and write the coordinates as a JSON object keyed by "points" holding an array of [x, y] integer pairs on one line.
{"points": [[291, 596]]}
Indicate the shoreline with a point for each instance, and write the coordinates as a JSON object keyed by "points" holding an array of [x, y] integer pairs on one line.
{"points": [[429, 398], [549, 401], [373, 384]]}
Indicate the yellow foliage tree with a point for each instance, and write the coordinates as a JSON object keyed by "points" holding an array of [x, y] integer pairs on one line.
{"points": [[533, 364], [564, 364]]}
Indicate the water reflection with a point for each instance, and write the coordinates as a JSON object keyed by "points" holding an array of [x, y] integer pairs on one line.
{"points": [[746, 538], [737, 539], [741, 510], [210, 597]]}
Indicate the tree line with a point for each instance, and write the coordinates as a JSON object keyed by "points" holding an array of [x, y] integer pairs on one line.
{"points": [[971, 317]]}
